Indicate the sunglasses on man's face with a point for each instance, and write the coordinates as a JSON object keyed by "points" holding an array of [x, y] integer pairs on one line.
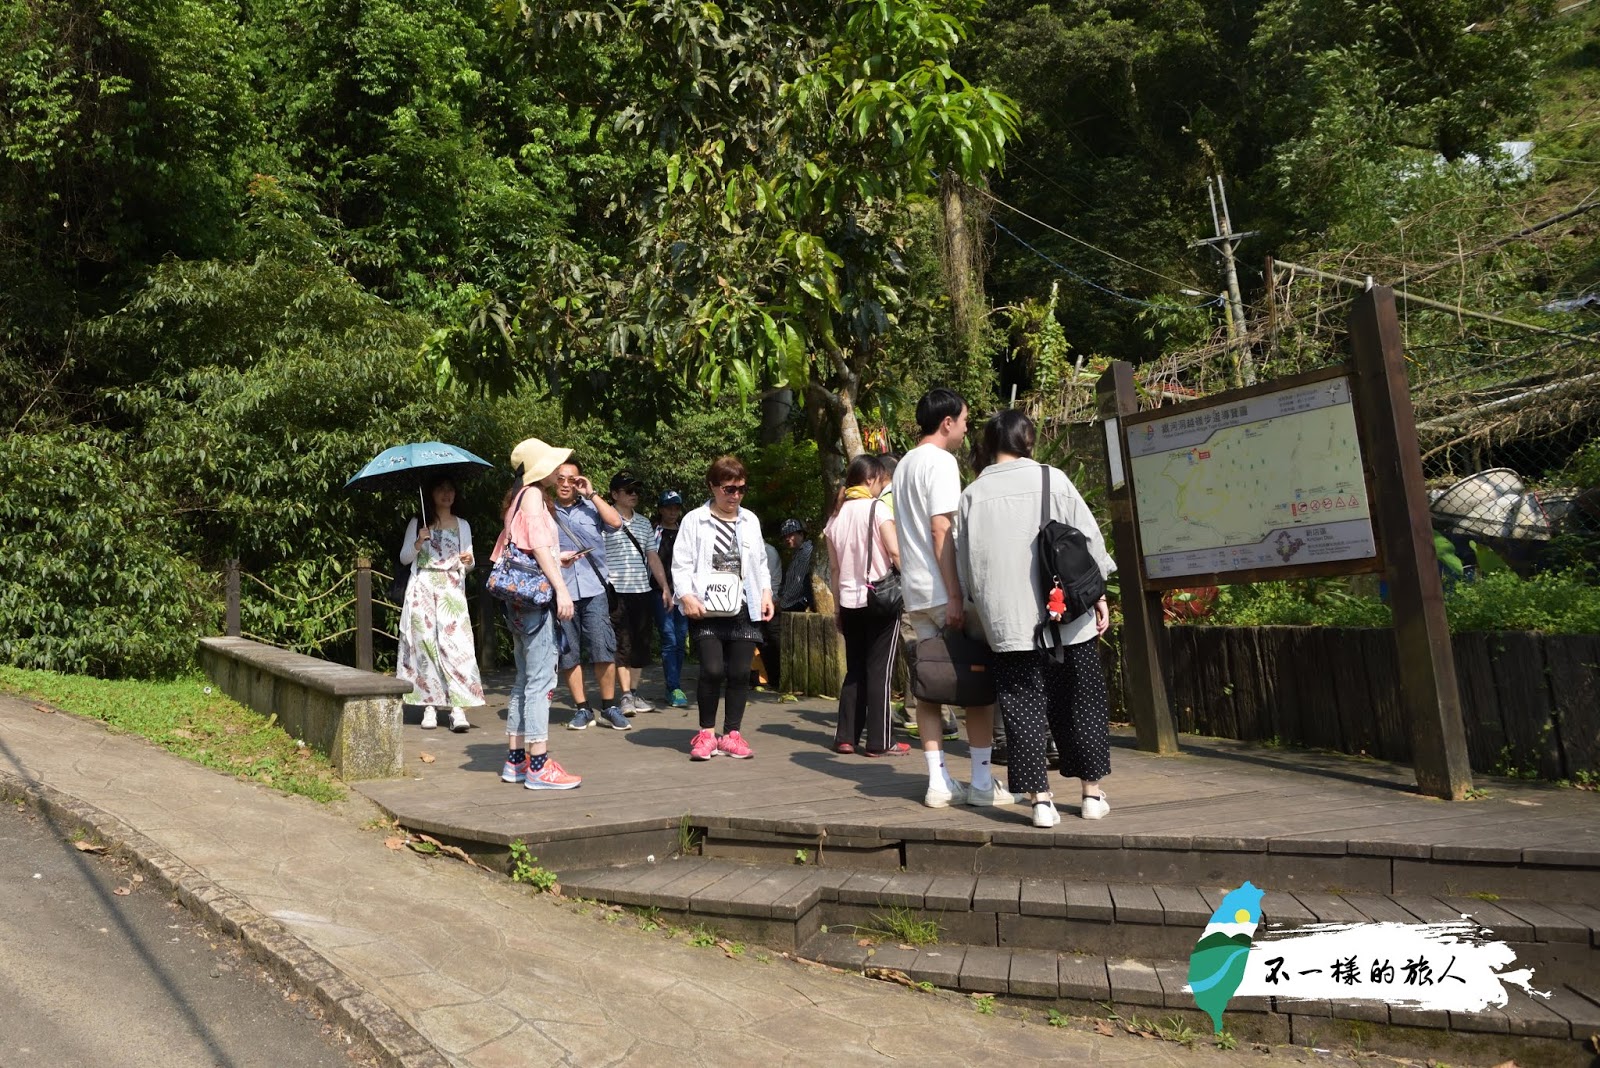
{"points": [[734, 491]]}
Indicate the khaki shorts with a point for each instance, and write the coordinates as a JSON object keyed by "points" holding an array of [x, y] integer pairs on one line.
{"points": [[922, 624]]}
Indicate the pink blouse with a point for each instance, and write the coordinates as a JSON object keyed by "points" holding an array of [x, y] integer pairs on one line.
{"points": [[848, 536], [531, 526]]}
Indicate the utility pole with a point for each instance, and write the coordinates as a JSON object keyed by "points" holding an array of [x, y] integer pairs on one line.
{"points": [[1224, 243]]}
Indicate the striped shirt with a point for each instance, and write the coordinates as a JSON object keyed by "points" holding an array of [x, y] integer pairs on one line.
{"points": [[626, 564], [725, 546]]}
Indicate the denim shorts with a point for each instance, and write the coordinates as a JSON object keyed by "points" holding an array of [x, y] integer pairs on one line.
{"points": [[588, 636]]}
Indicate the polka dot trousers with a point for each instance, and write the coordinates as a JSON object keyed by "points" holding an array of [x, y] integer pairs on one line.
{"points": [[1068, 700]]}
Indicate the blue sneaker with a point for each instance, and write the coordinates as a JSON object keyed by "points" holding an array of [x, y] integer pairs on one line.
{"points": [[580, 720], [613, 718], [679, 699]]}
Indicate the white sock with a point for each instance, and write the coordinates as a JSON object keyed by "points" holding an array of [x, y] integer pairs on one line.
{"points": [[936, 774], [982, 771]]}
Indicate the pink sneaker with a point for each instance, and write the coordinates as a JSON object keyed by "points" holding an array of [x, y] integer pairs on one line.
{"points": [[704, 746], [551, 777], [734, 745]]}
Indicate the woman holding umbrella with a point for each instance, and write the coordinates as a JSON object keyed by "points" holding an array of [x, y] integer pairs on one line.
{"points": [[436, 650]]}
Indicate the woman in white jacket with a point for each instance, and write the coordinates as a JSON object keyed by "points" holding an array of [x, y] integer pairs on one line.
{"points": [[723, 537], [436, 651]]}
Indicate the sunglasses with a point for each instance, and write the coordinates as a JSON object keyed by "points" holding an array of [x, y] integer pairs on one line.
{"points": [[734, 491]]}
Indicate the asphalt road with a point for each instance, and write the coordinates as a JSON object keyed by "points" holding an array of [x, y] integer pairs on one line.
{"points": [[93, 976]]}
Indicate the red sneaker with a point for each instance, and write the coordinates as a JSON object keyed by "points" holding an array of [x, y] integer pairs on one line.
{"points": [[704, 746], [734, 745], [551, 777], [897, 749]]}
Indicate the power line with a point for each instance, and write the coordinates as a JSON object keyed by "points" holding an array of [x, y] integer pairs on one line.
{"points": [[1057, 230], [1091, 283]]}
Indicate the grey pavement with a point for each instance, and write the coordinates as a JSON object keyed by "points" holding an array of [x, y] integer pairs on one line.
{"points": [[98, 967], [487, 973]]}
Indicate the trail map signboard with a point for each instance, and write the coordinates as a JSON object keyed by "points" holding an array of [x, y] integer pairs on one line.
{"points": [[1258, 480]]}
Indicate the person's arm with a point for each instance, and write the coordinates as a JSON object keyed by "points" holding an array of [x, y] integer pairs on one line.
{"points": [[465, 530], [652, 560], [685, 551], [608, 515], [411, 543], [944, 551], [891, 542], [552, 571]]}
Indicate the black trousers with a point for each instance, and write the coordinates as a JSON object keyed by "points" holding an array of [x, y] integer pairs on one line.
{"points": [[723, 663], [1038, 698], [870, 642]]}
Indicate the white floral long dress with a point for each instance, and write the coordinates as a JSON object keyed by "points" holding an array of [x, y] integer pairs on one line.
{"points": [[437, 655]]}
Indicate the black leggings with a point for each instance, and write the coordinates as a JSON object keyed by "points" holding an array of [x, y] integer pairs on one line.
{"points": [[723, 663], [869, 645], [1039, 697]]}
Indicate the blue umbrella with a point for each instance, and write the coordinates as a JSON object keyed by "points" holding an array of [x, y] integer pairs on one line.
{"points": [[405, 466]]}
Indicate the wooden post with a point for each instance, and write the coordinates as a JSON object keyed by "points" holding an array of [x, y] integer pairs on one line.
{"points": [[1144, 639], [231, 625], [364, 614], [488, 644], [1428, 692]]}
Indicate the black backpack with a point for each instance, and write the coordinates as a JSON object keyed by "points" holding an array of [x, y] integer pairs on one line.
{"points": [[1069, 576]]}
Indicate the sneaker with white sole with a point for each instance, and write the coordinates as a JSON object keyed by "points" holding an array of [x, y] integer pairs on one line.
{"points": [[612, 717], [626, 705], [1095, 808], [995, 795], [640, 704], [514, 772], [581, 719], [552, 777], [458, 721], [1045, 814], [951, 793], [430, 718], [733, 745], [703, 746]]}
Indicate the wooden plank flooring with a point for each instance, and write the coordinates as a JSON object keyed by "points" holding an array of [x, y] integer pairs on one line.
{"points": [[642, 778]]}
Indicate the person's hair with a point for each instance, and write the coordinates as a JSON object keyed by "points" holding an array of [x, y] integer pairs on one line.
{"points": [[572, 463], [511, 495], [427, 498], [888, 461], [725, 469], [862, 469], [1010, 432], [936, 406]]}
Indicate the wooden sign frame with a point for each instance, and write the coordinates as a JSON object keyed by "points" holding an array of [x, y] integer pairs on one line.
{"points": [[1403, 535]]}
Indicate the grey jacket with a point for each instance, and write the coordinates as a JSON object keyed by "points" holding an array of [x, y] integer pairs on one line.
{"points": [[996, 525]]}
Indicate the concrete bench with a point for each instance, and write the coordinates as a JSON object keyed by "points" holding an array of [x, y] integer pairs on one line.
{"points": [[351, 715]]}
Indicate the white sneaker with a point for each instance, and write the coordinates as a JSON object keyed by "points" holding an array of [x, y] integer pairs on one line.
{"points": [[951, 793], [458, 721], [995, 795], [430, 718], [1045, 814], [1095, 808]]}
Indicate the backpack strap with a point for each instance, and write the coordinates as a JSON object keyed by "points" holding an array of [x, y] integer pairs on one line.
{"points": [[1057, 652]]}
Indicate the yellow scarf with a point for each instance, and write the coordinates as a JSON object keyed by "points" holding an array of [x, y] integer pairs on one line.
{"points": [[858, 493]]}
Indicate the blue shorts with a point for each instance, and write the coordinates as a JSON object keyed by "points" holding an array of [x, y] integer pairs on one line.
{"points": [[590, 629]]}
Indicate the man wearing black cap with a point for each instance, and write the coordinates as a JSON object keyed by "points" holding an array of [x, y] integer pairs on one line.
{"points": [[795, 595], [669, 617], [637, 587]]}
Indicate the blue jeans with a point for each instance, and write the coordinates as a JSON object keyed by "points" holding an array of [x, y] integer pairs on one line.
{"points": [[528, 712], [674, 628]]}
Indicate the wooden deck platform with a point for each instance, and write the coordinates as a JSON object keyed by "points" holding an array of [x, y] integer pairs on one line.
{"points": [[1219, 812]]}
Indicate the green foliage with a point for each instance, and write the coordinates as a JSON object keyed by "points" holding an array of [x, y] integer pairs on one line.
{"points": [[903, 925], [187, 717], [525, 869], [1553, 602], [984, 1004]]}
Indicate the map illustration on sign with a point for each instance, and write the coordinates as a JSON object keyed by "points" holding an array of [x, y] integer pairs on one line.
{"points": [[1274, 480]]}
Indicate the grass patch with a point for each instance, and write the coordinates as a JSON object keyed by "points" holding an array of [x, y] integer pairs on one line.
{"points": [[182, 718], [902, 925]]}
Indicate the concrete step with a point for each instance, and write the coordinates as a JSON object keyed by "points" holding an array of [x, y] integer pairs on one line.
{"points": [[786, 906], [1554, 1030]]}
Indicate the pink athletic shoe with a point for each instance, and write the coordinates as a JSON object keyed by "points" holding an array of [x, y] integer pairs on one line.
{"points": [[551, 777], [704, 746], [734, 745]]}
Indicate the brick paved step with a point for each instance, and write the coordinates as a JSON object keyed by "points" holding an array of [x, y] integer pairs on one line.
{"points": [[1154, 989], [786, 906]]}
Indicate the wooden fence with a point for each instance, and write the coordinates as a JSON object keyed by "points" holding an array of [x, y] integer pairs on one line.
{"points": [[1531, 701]]}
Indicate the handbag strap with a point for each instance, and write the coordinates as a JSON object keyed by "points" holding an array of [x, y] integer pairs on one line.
{"points": [[511, 539], [872, 536], [1059, 653], [637, 547]]}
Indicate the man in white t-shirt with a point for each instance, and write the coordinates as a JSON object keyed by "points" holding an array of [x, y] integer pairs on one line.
{"points": [[927, 492]]}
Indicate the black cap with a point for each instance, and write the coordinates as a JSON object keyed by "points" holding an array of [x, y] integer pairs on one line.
{"points": [[791, 526], [625, 480]]}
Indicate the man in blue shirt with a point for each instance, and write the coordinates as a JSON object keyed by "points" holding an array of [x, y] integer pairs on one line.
{"points": [[582, 516]]}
